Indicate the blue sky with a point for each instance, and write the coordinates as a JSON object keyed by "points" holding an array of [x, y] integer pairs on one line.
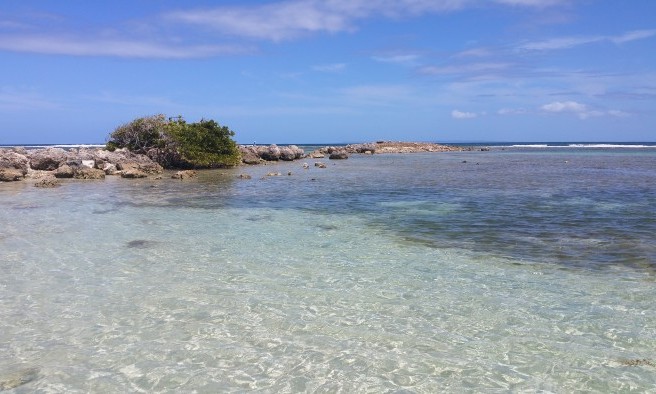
{"points": [[308, 71]]}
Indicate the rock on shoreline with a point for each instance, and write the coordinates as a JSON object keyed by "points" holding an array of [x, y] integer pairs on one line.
{"points": [[95, 163], [382, 147], [81, 163]]}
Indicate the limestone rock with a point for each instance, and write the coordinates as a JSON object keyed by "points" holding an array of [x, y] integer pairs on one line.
{"points": [[48, 159], [184, 174], [269, 153], [133, 174], [13, 166], [317, 154], [109, 168], [338, 155], [291, 152], [249, 155], [47, 183], [64, 171], [11, 174], [88, 173]]}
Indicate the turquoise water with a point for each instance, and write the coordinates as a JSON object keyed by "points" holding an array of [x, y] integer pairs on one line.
{"points": [[516, 270]]}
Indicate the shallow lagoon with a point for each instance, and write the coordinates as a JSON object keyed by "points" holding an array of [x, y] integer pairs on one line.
{"points": [[515, 270]]}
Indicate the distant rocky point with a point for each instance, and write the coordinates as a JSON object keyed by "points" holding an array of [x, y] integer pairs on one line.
{"points": [[384, 147], [49, 164]]}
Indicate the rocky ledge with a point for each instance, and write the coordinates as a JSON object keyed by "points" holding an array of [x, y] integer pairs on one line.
{"points": [[48, 164], [342, 152], [82, 163]]}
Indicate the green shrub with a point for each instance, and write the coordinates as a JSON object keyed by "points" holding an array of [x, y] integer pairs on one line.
{"points": [[140, 135], [204, 144], [176, 143]]}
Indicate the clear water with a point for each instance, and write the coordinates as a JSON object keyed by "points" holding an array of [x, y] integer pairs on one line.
{"points": [[515, 271]]}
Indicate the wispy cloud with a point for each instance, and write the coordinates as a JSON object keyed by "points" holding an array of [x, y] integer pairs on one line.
{"points": [[402, 59], [21, 100], [570, 42], [289, 19], [581, 110], [271, 21], [471, 68], [456, 114], [531, 3], [84, 46], [330, 68], [633, 35]]}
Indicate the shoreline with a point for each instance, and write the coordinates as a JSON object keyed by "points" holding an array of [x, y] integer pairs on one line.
{"points": [[48, 165]]}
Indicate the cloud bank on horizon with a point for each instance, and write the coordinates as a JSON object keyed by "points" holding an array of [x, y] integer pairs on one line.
{"points": [[333, 70]]}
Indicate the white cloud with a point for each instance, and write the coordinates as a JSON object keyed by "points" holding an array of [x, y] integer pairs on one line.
{"points": [[330, 68], [475, 52], [581, 110], [83, 46], [531, 3], [288, 19], [465, 68], [633, 35], [564, 106], [570, 42], [463, 115]]}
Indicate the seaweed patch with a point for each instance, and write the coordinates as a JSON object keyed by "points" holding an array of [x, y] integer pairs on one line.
{"points": [[638, 362], [141, 244]]}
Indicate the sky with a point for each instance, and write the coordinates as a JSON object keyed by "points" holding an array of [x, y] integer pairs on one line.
{"points": [[331, 71]]}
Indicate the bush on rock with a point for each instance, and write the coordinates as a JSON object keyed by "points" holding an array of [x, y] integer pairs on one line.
{"points": [[174, 143]]}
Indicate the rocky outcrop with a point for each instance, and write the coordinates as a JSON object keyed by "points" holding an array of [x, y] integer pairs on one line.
{"points": [[13, 165], [83, 172], [81, 163], [291, 152], [385, 147], [64, 171], [338, 155], [48, 159], [251, 154]]}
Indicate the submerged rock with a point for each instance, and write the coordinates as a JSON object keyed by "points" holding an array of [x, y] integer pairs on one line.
{"points": [[141, 244], [184, 174], [47, 183], [18, 378]]}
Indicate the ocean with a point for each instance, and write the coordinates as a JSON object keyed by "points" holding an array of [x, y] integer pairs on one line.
{"points": [[528, 267]]}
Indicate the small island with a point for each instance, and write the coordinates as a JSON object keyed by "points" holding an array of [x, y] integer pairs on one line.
{"points": [[147, 146]]}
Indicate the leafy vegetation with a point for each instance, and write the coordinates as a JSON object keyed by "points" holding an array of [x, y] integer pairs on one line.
{"points": [[174, 143]]}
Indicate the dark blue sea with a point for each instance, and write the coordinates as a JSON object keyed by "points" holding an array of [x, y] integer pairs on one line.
{"points": [[515, 268]]}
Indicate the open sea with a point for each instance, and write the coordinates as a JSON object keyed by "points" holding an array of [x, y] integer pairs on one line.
{"points": [[526, 268]]}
